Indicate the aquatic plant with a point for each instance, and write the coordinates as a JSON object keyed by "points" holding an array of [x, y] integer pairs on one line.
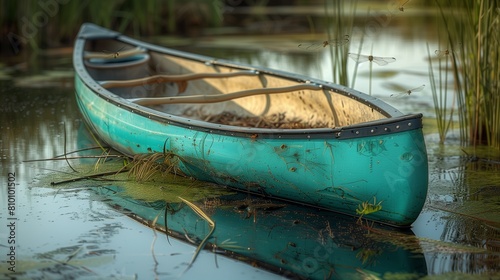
{"points": [[366, 208], [472, 36]]}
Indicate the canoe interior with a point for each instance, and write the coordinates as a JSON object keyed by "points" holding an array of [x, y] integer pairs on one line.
{"points": [[328, 108]]}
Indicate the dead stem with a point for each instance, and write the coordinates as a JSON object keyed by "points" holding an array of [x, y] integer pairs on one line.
{"points": [[77, 157], [165, 221], [89, 177], [78, 151], [210, 222], [65, 153], [153, 226]]}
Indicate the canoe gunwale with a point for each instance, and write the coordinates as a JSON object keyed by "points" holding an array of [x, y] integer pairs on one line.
{"points": [[395, 122]]}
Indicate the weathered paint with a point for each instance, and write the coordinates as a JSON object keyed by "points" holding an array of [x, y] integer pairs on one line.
{"points": [[369, 151], [336, 174]]}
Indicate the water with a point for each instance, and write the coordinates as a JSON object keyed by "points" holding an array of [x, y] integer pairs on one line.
{"points": [[50, 225], [83, 231]]}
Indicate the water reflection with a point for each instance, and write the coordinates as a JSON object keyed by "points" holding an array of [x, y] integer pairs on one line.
{"points": [[463, 206], [285, 238]]}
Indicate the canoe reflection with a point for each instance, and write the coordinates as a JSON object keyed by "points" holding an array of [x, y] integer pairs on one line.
{"points": [[288, 239]]}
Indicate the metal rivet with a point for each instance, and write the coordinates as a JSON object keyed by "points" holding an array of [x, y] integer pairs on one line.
{"points": [[397, 126], [409, 124]]}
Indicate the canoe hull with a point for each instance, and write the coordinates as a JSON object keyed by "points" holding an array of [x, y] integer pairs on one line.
{"points": [[369, 159], [334, 174]]}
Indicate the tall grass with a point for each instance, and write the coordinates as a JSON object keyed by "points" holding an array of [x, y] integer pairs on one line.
{"points": [[59, 22], [440, 93], [340, 22], [473, 37]]}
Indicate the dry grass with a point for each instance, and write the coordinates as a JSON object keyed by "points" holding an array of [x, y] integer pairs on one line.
{"points": [[272, 121], [144, 167]]}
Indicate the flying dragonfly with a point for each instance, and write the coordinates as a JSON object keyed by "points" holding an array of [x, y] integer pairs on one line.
{"points": [[318, 45], [360, 58], [115, 54], [401, 6], [442, 53], [408, 92]]}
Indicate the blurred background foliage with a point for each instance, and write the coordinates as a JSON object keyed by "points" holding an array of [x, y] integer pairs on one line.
{"points": [[52, 23]]}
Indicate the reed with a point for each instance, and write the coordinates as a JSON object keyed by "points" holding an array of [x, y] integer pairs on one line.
{"points": [[439, 88], [340, 22], [473, 39]]}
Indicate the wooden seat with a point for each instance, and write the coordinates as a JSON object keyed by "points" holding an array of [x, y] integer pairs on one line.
{"points": [[221, 97], [158, 79]]}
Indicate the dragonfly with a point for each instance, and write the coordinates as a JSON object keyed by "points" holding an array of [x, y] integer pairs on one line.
{"points": [[360, 58], [446, 52], [408, 92], [401, 7], [114, 54], [318, 45], [442, 53]]}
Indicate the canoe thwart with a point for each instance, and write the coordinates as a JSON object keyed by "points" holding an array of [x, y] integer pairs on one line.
{"points": [[158, 79], [222, 97]]}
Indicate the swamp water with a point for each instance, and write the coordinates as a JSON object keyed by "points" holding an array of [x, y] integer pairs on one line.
{"points": [[97, 229]]}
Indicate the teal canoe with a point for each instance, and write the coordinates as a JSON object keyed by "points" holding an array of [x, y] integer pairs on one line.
{"points": [[255, 129]]}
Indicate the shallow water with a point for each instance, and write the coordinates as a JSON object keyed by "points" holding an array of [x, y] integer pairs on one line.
{"points": [[82, 229]]}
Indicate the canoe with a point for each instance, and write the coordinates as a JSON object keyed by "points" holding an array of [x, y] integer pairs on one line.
{"points": [[258, 130]]}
